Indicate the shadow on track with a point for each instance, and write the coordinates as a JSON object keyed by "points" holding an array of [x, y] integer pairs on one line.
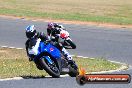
{"points": [[35, 77], [32, 77]]}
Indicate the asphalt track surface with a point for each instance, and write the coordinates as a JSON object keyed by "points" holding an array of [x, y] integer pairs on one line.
{"points": [[92, 41]]}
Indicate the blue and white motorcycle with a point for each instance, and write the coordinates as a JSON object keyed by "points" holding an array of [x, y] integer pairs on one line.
{"points": [[49, 58]]}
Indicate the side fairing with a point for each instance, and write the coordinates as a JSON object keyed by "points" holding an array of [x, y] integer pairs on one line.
{"points": [[52, 50]]}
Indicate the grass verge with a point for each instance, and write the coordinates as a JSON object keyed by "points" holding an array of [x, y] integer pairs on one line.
{"points": [[13, 63], [110, 11]]}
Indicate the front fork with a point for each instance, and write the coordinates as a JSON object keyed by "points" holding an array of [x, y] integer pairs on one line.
{"points": [[59, 64]]}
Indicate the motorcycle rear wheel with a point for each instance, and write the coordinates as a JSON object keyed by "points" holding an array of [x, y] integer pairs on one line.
{"points": [[71, 43], [73, 72]]}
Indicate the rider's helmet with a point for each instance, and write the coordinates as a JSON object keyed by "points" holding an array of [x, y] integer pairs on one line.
{"points": [[50, 25], [30, 31]]}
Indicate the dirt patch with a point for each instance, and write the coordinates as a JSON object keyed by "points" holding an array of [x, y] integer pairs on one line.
{"points": [[2, 51], [7, 53], [71, 22]]}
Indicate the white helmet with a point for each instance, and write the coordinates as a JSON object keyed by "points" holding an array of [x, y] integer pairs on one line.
{"points": [[30, 31]]}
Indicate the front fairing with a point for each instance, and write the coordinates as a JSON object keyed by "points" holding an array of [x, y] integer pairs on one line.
{"points": [[43, 47]]}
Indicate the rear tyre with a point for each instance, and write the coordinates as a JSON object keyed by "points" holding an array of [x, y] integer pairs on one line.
{"points": [[73, 71], [51, 69]]}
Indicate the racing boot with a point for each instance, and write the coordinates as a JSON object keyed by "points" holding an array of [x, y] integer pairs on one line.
{"points": [[66, 54]]}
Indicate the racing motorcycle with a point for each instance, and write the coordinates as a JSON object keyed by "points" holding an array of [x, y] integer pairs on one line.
{"points": [[49, 58], [64, 39]]}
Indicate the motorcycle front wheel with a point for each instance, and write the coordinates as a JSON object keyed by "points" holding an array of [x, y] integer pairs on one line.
{"points": [[50, 68]]}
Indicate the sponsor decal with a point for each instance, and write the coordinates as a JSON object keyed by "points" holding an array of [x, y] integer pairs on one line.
{"points": [[51, 49]]}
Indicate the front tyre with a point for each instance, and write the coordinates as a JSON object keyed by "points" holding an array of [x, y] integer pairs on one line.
{"points": [[72, 44], [51, 69]]}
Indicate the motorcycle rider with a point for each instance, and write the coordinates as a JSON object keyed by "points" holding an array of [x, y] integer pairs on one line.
{"points": [[54, 29], [32, 33]]}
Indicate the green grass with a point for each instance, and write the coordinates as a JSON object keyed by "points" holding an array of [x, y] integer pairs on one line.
{"points": [[15, 63], [19, 67], [102, 11], [96, 65]]}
